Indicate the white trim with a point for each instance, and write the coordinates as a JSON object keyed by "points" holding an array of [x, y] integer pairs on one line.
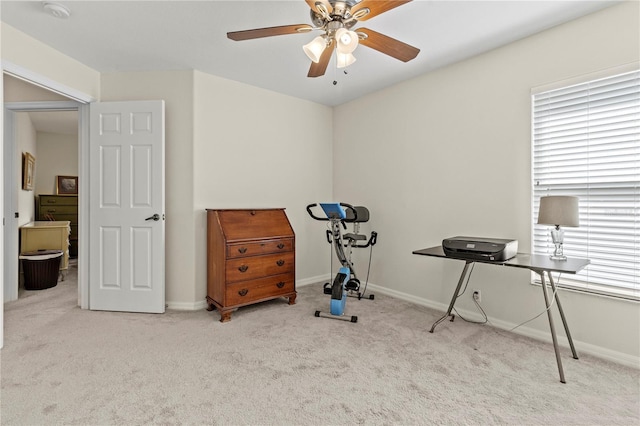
{"points": [[2, 210], [83, 176], [313, 280], [579, 79], [10, 239], [187, 306], [42, 106], [31, 77], [83, 206], [582, 347], [202, 304]]}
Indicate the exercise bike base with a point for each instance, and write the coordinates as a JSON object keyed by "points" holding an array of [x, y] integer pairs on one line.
{"points": [[351, 318], [360, 296]]}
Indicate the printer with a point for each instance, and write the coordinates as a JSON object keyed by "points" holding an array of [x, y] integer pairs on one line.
{"points": [[481, 249]]}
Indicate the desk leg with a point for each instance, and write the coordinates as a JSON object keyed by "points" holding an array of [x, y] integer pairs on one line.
{"points": [[553, 329], [455, 296], [564, 320]]}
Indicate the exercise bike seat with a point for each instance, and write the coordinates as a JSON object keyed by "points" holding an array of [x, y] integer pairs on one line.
{"points": [[355, 237], [361, 212]]}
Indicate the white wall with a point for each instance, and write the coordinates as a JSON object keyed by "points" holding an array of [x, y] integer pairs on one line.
{"points": [[16, 90], [39, 59], [57, 155], [25, 136], [449, 153], [254, 148]]}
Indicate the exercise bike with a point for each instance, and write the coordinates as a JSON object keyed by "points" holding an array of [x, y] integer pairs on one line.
{"points": [[345, 282]]}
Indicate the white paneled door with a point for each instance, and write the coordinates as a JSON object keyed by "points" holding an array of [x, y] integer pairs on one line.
{"points": [[126, 207]]}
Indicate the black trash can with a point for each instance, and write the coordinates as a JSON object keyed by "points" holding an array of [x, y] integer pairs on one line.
{"points": [[41, 268]]}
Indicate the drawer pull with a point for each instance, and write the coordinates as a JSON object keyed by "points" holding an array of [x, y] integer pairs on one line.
{"points": [[242, 250], [51, 210], [243, 292], [280, 246], [280, 284], [280, 262], [243, 268]]}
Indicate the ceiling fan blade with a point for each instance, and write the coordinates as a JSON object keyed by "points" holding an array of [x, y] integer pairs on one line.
{"points": [[313, 5], [376, 7], [269, 31], [318, 69], [387, 45]]}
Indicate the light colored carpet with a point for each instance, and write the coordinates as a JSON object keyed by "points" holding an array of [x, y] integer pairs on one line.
{"points": [[275, 364]]}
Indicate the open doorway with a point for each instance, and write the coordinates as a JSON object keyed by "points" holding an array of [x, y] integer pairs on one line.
{"points": [[45, 125]]}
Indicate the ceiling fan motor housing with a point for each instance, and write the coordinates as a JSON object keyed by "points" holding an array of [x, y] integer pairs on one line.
{"points": [[340, 13], [335, 19]]}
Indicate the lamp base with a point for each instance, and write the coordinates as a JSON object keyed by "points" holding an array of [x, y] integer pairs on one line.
{"points": [[556, 257], [557, 235]]}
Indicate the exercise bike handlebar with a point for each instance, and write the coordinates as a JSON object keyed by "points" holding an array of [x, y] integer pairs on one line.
{"points": [[326, 219]]}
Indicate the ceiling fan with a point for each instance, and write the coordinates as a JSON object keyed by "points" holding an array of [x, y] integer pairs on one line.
{"points": [[335, 18]]}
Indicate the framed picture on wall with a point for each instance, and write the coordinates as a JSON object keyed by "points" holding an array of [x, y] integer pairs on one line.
{"points": [[67, 185], [28, 169]]}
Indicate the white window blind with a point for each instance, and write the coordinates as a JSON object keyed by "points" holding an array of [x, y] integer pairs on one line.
{"points": [[586, 142]]}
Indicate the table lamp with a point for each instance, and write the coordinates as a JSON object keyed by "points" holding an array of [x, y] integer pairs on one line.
{"points": [[558, 210]]}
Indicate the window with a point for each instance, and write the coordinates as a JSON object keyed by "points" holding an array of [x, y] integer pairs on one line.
{"points": [[586, 142]]}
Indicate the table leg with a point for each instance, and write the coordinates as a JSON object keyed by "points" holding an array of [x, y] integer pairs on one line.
{"points": [[564, 320], [553, 329], [455, 296]]}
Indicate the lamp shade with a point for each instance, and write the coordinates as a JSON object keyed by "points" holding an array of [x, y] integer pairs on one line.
{"points": [[344, 59], [559, 210], [347, 41], [315, 48]]}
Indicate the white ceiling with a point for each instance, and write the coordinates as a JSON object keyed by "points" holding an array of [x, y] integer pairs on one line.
{"points": [[113, 36]]}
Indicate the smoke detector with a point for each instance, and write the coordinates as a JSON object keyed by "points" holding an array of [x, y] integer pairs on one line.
{"points": [[56, 9]]}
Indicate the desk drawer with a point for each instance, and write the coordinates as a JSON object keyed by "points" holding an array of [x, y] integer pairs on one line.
{"points": [[244, 292], [249, 268], [58, 200], [258, 248], [57, 214]]}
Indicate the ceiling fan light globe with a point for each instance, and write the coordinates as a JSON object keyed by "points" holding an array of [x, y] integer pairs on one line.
{"points": [[347, 41], [344, 59], [314, 48]]}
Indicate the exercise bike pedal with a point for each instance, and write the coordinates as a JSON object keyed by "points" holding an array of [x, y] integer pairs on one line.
{"points": [[352, 285], [327, 288]]}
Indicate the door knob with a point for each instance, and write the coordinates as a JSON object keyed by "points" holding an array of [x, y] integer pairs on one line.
{"points": [[155, 217]]}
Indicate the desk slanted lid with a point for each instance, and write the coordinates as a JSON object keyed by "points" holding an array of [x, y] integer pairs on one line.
{"points": [[253, 224]]}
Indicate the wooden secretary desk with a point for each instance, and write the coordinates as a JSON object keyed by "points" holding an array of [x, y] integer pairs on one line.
{"points": [[250, 258]]}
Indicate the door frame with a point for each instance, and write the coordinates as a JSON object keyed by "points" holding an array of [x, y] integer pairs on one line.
{"points": [[80, 102], [11, 258]]}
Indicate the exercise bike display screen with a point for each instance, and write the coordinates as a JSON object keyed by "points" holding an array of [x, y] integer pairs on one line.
{"points": [[334, 210]]}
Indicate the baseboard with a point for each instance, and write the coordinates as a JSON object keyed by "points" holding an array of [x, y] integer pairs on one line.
{"points": [[597, 351], [581, 347], [202, 304], [187, 306], [313, 280]]}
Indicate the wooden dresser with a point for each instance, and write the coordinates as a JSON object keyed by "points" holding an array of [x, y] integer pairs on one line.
{"points": [[250, 258], [61, 207]]}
